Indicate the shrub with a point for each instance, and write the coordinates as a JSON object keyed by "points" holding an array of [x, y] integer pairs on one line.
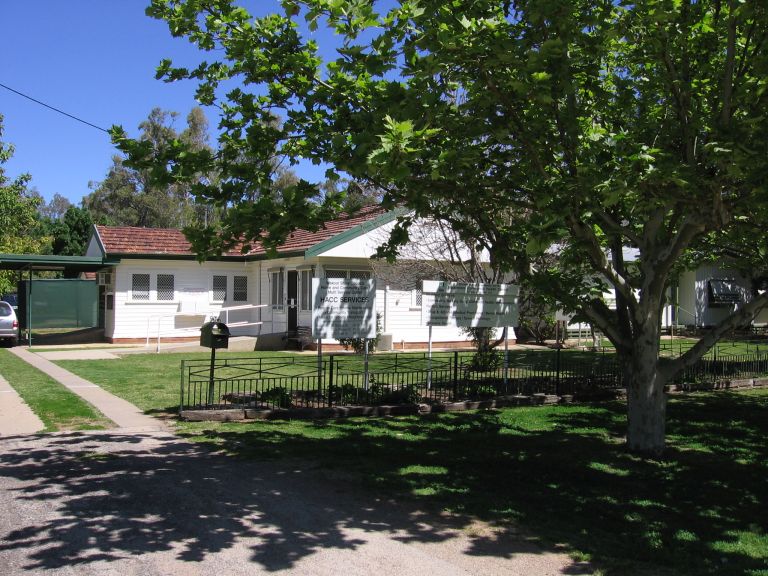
{"points": [[277, 396], [382, 394], [358, 344]]}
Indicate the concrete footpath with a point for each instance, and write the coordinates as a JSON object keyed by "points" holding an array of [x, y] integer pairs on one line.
{"points": [[121, 412], [15, 416]]}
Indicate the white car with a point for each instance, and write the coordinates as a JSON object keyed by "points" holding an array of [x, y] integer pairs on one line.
{"points": [[9, 324]]}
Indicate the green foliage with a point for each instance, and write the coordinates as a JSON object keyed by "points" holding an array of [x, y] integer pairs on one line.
{"points": [[358, 344], [566, 478], [384, 395], [277, 396], [537, 315], [18, 215], [132, 195], [71, 233], [586, 126]]}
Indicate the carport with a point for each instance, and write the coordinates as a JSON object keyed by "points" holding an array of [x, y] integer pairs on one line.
{"points": [[26, 264]]}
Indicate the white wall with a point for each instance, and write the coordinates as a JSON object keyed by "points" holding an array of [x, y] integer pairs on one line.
{"points": [[402, 320], [193, 285], [695, 309]]}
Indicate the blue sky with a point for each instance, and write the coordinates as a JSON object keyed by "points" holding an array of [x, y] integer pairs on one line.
{"points": [[94, 59]]}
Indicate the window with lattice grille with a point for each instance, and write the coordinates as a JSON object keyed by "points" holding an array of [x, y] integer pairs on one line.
{"points": [[140, 287], [165, 287], [416, 296], [219, 288], [336, 274], [360, 274], [240, 288]]}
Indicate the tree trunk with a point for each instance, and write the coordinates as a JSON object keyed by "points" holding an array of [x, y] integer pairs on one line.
{"points": [[646, 400]]}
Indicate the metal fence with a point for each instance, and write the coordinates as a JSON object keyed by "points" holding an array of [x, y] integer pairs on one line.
{"points": [[724, 367], [342, 380]]}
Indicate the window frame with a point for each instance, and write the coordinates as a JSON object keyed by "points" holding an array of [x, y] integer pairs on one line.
{"points": [[277, 290], [305, 290], [347, 273], [213, 287], [134, 292], [244, 290], [173, 287]]}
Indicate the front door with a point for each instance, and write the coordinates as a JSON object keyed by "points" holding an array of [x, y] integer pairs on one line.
{"points": [[293, 300]]}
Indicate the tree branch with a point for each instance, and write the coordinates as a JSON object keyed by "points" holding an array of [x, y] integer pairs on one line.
{"points": [[600, 261], [739, 317]]}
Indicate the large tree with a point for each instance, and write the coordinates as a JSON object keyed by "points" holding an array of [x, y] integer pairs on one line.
{"points": [[587, 125], [132, 197], [18, 214]]}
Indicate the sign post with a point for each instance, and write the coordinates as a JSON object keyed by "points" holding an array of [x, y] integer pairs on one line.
{"points": [[429, 359], [343, 309], [469, 306]]}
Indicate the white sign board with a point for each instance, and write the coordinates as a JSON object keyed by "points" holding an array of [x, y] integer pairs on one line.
{"points": [[469, 305], [343, 308]]}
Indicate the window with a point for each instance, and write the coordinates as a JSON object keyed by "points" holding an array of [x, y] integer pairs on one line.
{"points": [[240, 288], [305, 302], [219, 288], [360, 274], [140, 287], [165, 287], [349, 274], [416, 297], [276, 298], [335, 274]]}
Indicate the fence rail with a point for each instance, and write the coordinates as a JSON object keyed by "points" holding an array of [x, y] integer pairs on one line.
{"points": [[338, 380]]}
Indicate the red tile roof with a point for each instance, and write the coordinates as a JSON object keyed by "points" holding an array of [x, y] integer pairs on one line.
{"points": [[119, 240]]}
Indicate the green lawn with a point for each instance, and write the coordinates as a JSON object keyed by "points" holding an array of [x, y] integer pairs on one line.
{"points": [[563, 474], [559, 471], [57, 407], [150, 381]]}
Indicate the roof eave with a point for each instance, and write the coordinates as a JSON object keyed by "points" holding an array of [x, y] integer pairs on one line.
{"points": [[355, 232]]}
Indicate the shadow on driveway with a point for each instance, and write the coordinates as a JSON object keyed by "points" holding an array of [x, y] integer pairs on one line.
{"points": [[153, 504]]}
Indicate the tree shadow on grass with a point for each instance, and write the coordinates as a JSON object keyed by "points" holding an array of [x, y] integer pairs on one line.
{"points": [[93, 499], [556, 472], [564, 474]]}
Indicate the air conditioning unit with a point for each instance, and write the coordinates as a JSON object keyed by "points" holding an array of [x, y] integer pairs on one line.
{"points": [[104, 279]]}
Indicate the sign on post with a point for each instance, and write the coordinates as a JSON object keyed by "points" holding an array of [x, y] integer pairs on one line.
{"points": [[469, 305], [343, 308]]}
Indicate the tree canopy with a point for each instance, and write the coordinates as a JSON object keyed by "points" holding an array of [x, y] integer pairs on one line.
{"points": [[580, 127], [130, 196], [18, 214]]}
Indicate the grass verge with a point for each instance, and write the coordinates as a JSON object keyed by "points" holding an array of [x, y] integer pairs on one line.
{"points": [[57, 407], [559, 471], [562, 473]]}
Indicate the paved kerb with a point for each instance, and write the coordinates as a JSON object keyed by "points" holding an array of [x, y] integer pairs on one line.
{"points": [[121, 412], [16, 417]]}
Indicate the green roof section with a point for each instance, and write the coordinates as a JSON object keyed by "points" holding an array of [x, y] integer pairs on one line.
{"points": [[48, 262], [355, 232]]}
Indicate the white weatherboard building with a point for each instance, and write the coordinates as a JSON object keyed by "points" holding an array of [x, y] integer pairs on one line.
{"points": [[700, 298], [156, 287]]}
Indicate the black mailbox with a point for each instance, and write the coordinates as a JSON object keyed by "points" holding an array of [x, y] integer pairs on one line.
{"points": [[214, 335]]}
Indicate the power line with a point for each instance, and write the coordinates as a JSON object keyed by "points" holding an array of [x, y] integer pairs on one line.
{"points": [[53, 108]]}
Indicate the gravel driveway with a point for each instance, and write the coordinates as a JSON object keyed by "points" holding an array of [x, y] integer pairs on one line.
{"points": [[152, 504]]}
